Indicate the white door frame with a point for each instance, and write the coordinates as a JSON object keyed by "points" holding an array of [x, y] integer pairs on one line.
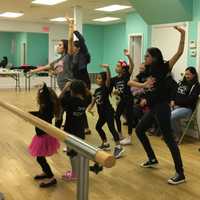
{"points": [[142, 41]]}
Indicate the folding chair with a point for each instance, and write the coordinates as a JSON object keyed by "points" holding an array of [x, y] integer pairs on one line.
{"points": [[192, 119]]}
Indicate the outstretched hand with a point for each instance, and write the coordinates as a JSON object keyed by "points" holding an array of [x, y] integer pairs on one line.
{"points": [[126, 52]]}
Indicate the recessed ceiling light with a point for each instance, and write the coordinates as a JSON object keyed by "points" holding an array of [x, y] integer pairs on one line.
{"points": [[11, 14], [106, 19], [113, 8], [58, 19], [48, 2]]}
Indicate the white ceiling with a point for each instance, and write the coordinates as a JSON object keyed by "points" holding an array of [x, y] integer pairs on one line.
{"points": [[39, 13]]}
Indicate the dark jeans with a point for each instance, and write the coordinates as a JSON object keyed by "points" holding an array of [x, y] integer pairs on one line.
{"points": [[125, 106], [45, 166], [107, 117], [161, 113]]}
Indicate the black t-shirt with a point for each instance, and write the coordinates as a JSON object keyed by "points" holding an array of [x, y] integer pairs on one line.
{"points": [[46, 114], [187, 94], [161, 92], [75, 115], [121, 84], [102, 99], [141, 77]]}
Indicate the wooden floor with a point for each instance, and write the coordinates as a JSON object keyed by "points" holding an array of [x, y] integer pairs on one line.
{"points": [[126, 181]]}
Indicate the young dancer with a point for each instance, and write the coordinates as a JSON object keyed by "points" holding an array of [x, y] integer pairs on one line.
{"points": [[44, 145], [105, 111], [81, 58], [123, 92], [158, 99], [74, 103]]}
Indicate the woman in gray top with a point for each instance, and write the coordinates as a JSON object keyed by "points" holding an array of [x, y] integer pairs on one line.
{"points": [[62, 67]]}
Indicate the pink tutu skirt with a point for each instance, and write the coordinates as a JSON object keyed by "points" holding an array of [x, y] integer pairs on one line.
{"points": [[44, 145]]}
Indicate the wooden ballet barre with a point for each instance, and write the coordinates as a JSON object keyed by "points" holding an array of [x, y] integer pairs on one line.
{"points": [[84, 149]]}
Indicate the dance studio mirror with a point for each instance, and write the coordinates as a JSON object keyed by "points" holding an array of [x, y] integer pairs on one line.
{"points": [[18, 48]]}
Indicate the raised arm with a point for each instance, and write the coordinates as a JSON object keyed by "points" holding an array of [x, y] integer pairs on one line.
{"points": [[178, 54], [70, 36], [131, 64], [108, 74], [81, 39]]}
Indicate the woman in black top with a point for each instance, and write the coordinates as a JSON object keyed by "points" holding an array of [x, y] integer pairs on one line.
{"points": [[157, 98], [185, 99], [81, 58]]}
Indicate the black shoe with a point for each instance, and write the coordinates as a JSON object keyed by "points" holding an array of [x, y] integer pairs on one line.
{"points": [[96, 168], [40, 177], [49, 184], [177, 179], [149, 164], [105, 147]]}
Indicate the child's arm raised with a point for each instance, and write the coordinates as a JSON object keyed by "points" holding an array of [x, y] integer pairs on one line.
{"points": [[108, 74], [131, 64]]}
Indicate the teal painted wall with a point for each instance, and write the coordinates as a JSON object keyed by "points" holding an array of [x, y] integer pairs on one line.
{"points": [[192, 35], [37, 48], [94, 36], [19, 38], [106, 43], [6, 48], [114, 43], [135, 24], [162, 11]]}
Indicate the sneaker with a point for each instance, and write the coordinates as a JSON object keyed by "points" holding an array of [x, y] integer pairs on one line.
{"points": [[149, 164], [118, 151], [69, 176], [126, 141], [105, 147], [96, 168], [177, 179], [48, 184]]}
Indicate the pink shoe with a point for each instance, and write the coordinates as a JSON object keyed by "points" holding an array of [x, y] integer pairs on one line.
{"points": [[69, 176]]}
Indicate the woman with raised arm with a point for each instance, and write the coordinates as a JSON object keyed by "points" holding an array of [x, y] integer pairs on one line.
{"points": [[62, 67], [157, 98]]}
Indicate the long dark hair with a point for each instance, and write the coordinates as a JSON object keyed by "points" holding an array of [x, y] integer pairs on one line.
{"points": [[156, 55], [79, 87], [47, 98], [193, 71], [87, 55], [65, 45]]}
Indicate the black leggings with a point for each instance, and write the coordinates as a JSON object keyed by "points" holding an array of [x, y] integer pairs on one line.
{"points": [[45, 166], [107, 117], [125, 106], [161, 113]]}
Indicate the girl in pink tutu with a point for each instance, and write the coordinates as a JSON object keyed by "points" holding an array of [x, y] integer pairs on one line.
{"points": [[42, 144]]}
